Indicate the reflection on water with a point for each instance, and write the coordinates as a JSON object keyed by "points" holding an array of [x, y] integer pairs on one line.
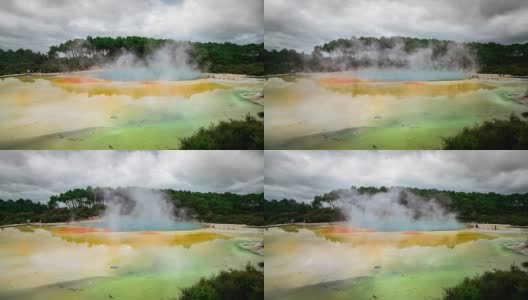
{"points": [[77, 112], [327, 262], [406, 74], [339, 111], [125, 224], [50, 262]]}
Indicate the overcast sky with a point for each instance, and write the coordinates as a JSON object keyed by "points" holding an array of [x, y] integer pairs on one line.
{"points": [[38, 24], [302, 24], [39, 174], [301, 175]]}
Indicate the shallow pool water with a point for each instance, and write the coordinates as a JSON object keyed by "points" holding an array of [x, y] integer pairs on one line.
{"points": [[151, 225], [325, 263], [76, 111], [406, 75], [71, 262], [347, 111]]}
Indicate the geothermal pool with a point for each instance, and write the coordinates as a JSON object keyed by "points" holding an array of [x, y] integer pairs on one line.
{"points": [[133, 225], [382, 109], [81, 111], [72, 262], [348, 263]]}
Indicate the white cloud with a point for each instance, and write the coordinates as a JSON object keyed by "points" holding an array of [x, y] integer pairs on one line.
{"points": [[38, 24], [302, 24], [301, 175], [40, 174]]}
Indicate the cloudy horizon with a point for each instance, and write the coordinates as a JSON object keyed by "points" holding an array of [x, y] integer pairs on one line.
{"points": [[39, 24], [301, 175], [37, 175], [303, 24]]}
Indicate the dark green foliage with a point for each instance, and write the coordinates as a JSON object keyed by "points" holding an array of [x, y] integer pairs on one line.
{"points": [[246, 284], [20, 61], [81, 54], [511, 134], [525, 264], [504, 285], [220, 208], [502, 59], [19, 211], [284, 61], [230, 58], [288, 211], [336, 56], [245, 134]]}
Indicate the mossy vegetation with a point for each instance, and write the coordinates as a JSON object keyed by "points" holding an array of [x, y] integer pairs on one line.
{"points": [[247, 134]]}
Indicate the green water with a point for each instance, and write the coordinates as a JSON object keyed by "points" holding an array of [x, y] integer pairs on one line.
{"points": [[47, 263], [310, 113], [60, 113], [305, 265]]}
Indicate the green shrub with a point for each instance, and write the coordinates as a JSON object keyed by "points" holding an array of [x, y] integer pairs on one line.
{"points": [[246, 284], [511, 134], [247, 134], [505, 285]]}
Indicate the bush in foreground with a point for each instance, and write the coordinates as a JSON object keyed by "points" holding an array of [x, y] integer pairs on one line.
{"points": [[511, 134], [247, 134], [506, 285], [246, 284]]}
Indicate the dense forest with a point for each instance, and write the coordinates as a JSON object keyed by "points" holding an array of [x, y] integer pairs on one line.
{"points": [[342, 54], [469, 207], [78, 204], [82, 54]]}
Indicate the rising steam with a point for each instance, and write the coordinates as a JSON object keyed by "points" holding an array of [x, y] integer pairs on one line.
{"points": [[395, 210], [171, 62], [140, 209], [356, 53]]}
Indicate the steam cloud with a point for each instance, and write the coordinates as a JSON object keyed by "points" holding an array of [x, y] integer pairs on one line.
{"points": [[140, 209], [449, 57], [171, 62], [396, 210]]}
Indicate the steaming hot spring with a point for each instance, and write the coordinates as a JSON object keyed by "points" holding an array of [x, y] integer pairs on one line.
{"points": [[384, 108], [85, 261], [341, 261], [120, 107], [394, 245], [138, 249]]}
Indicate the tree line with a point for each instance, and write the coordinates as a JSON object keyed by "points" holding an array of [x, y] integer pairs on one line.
{"points": [[82, 54], [254, 209], [468, 206], [79, 204], [340, 54]]}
